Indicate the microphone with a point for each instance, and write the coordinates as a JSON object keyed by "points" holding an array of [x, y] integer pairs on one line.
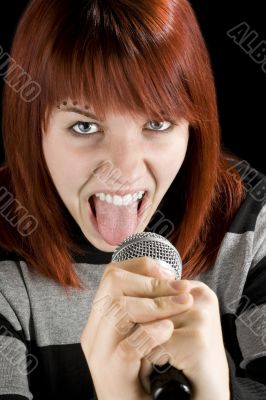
{"points": [[166, 382]]}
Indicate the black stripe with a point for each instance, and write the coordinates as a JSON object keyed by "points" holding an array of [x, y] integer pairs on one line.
{"points": [[6, 329], [9, 256], [257, 369], [255, 184], [254, 289], [57, 371], [246, 216], [62, 373], [231, 341]]}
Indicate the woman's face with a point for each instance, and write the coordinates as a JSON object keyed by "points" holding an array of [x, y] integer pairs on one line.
{"points": [[116, 159]]}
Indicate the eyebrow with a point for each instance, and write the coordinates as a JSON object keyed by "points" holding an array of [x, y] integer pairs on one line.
{"points": [[82, 112]]}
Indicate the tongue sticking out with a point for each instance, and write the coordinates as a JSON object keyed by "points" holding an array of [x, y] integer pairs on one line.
{"points": [[116, 223]]}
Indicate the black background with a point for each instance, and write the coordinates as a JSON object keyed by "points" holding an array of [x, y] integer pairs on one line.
{"points": [[240, 82]]}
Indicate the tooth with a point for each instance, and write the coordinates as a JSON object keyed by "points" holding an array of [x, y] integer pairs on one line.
{"points": [[117, 200], [135, 197], [102, 196], [120, 200], [127, 199]]}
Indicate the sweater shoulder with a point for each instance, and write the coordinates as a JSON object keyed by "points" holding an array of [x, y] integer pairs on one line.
{"points": [[253, 205], [9, 268], [14, 300]]}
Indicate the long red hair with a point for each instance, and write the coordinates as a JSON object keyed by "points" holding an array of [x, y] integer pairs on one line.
{"points": [[140, 56]]}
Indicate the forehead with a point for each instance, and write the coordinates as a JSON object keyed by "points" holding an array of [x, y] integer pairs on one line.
{"points": [[72, 106]]}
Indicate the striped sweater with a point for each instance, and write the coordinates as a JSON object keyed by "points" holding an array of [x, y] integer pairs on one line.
{"points": [[40, 327]]}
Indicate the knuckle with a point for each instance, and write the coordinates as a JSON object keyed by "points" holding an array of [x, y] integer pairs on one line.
{"points": [[158, 303], [149, 264], [124, 351], [203, 292], [108, 271], [118, 303], [116, 309], [121, 301], [199, 291], [147, 260], [154, 285], [202, 316], [184, 284], [199, 338], [136, 345], [113, 273], [199, 318], [162, 303]]}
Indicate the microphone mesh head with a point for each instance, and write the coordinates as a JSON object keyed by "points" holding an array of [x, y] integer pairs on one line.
{"points": [[151, 245]]}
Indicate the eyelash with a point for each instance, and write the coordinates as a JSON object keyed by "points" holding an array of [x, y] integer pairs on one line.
{"points": [[171, 127]]}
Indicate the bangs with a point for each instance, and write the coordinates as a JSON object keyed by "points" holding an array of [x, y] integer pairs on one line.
{"points": [[118, 63]]}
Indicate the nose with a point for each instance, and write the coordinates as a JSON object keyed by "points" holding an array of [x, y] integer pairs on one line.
{"points": [[126, 163]]}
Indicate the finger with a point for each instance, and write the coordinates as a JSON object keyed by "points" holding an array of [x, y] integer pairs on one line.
{"points": [[173, 350], [200, 290], [144, 373], [146, 266], [205, 307], [142, 341], [183, 349], [119, 282], [140, 310], [117, 322], [140, 277]]}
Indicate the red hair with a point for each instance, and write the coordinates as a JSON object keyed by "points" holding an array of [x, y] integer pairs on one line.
{"points": [[137, 56]]}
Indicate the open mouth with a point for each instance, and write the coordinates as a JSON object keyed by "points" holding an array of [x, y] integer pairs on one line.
{"points": [[91, 201], [92, 204]]}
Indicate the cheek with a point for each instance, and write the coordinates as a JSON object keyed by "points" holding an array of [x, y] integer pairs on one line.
{"points": [[172, 155], [68, 169]]}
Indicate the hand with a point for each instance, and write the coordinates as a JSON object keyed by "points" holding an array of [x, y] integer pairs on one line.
{"points": [[123, 326], [196, 346]]}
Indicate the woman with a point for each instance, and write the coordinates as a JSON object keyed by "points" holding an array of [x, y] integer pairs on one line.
{"points": [[111, 127]]}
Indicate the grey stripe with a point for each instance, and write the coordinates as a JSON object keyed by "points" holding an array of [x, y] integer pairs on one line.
{"points": [[228, 276], [259, 250], [13, 368]]}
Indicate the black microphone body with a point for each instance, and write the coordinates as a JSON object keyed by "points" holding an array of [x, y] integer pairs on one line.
{"points": [[166, 382]]}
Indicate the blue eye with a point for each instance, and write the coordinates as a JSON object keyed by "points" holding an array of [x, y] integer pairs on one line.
{"points": [[160, 126], [84, 128]]}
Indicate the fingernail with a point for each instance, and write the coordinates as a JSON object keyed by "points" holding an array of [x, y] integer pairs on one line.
{"points": [[181, 298]]}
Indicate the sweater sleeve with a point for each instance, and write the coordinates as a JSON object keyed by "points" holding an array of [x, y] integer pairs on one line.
{"points": [[248, 378], [15, 362]]}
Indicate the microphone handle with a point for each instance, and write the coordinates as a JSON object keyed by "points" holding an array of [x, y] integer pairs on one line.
{"points": [[170, 384]]}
